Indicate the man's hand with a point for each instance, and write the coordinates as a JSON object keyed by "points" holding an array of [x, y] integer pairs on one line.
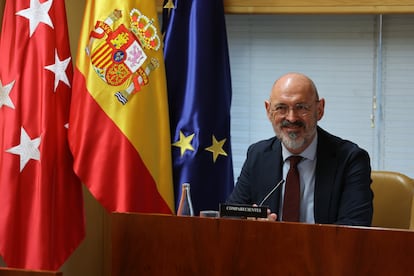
{"points": [[270, 216]]}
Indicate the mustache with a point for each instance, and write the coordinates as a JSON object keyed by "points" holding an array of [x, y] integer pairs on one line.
{"points": [[287, 123]]}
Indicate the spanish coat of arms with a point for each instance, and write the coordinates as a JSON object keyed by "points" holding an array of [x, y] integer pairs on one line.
{"points": [[118, 53]]}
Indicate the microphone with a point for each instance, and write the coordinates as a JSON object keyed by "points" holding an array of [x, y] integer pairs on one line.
{"points": [[271, 191]]}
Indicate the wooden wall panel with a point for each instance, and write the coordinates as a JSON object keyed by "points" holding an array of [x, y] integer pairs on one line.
{"points": [[316, 6]]}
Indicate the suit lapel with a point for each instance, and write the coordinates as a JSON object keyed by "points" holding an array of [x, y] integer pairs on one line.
{"points": [[325, 176]]}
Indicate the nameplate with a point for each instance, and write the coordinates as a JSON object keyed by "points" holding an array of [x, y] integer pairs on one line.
{"points": [[243, 211]]}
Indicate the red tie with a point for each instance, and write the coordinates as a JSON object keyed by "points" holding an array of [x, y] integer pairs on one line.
{"points": [[291, 202]]}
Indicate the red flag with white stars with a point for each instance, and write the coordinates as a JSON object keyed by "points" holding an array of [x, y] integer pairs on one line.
{"points": [[41, 204]]}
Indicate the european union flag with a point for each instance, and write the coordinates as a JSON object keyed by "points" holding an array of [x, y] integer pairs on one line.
{"points": [[199, 94]]}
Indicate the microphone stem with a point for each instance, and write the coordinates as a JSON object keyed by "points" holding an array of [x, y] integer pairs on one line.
{"points": [[271, 192]]}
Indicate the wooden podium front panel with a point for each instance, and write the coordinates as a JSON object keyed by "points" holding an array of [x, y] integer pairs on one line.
{"points": [[170, 245]]}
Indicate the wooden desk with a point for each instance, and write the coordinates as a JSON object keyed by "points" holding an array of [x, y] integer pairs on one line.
{"points": [[4, 271], [169, 245]]}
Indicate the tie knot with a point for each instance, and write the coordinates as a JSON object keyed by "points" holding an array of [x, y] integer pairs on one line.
{"points": [[294, 160]]}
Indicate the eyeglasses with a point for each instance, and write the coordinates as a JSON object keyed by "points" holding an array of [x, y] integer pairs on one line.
{"points": [[299, 109]]}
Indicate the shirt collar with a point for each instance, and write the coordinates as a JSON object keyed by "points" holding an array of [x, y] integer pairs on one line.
{"points": [[308, 153]]}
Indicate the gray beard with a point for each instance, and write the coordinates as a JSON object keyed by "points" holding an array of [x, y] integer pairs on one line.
{"points": [[291, 141]]}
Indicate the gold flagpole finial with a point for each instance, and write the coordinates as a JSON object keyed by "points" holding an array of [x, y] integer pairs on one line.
{"points": [[169, 5]]}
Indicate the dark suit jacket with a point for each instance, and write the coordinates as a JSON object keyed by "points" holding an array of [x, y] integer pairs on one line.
{"points": [[342, 180]]}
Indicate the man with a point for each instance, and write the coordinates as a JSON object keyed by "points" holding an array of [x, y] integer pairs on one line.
{"points": [[334, 173]]}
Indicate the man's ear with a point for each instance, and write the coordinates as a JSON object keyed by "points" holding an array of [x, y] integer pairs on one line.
{"points": [[321, 108], [267, 107]]}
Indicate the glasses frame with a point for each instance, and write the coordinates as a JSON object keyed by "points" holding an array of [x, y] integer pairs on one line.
{"points": [[299, 109]]}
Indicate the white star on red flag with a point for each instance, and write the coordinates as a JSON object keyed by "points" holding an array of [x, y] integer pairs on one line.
{"points": [[37, 13], [27, 149], [59, 68], [5, 94]]}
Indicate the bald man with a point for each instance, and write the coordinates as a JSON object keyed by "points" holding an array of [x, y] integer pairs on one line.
{"points": [[335, 174]]}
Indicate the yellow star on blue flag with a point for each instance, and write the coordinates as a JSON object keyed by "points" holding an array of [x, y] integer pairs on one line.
{"points": [[184, 143], [217, 148]]}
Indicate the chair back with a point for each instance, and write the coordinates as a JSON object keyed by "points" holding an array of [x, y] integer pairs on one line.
{"points": [[393, 200]]}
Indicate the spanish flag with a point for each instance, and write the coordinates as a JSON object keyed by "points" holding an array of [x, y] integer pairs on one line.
{"points": [[119, 127]]}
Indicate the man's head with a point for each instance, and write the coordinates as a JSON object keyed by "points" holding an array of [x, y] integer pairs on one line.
{"points": [[294, 108]]}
